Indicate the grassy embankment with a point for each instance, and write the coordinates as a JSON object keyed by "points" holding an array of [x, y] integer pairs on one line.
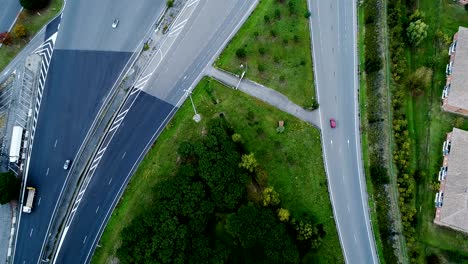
{"points": [[292, 159], [33, 21], [276, 41]]}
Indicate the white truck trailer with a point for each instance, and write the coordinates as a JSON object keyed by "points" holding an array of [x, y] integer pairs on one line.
{"points": [[29, 200]]}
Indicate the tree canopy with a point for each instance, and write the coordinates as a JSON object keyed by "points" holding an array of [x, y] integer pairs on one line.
{"points": [[9, 187], [34, 4]]}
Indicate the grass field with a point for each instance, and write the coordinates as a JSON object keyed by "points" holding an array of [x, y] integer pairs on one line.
{"points": [[292, 159], [428, 127], [276, 40], [33, 21]]}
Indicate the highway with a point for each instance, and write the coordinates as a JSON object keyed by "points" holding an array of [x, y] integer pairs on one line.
{"points": [[89, 56], [8, 12], [190, 47], [335, 62]]}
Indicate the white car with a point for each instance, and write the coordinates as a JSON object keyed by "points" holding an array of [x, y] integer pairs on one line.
{"points": [[115, 23], [66, 165]]}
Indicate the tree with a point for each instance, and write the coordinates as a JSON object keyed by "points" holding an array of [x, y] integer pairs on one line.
{"points": [[283, 215], [270, 197], [419, 80], [20, 31], [248, 162], [417, 32], [236, 137], [5, 38], [307, 232], [240, 53], [458, 122], [262, 236], [9, 187], [33, 4], [170, 3]]}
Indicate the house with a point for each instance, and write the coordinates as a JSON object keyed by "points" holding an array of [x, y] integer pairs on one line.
{"points": [[455, 93], [451, 201]]}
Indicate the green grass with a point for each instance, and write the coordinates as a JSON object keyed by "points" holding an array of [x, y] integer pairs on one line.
{"points": [[428, 126], [33, 23], [293, 161], [287, 63]]}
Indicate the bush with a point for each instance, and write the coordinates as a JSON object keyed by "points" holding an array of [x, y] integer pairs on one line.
{"points": [[170, 3], [5, 38], [261, 50], [33, 4], [9, 187], [261, 68], [466, 7], [307, 14], [240, 53], [20, 31]]}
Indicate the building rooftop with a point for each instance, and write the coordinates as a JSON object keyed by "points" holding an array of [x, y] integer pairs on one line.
{"points": [[458, 95], [454, 212]]}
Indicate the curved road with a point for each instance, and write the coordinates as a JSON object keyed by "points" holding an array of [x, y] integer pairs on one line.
{"points": [[88, 57], [333, 25]]}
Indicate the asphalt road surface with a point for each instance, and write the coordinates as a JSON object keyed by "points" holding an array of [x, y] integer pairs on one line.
{"points": [[335, 63], [145, 114], [89, 56], [9, 9]]}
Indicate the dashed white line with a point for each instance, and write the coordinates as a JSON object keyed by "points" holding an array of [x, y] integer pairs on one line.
{"points": [[30, 233], [84, 240], [55, 145], [110, 181], [39, 202], [124, 155], [47, 172], [97, 209]]}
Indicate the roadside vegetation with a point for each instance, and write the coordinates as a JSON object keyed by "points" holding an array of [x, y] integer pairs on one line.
{"points": [[377, 134], [274, 48], [9, 187], [266, 200], [419, 34], [27, 26]]}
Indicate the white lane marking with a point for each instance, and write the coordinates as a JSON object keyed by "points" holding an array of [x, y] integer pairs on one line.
{"points": [[97, 209], [39, 202], [355, 239], [124, 155], [55, 145], [47, 172], [84, 240], [110, 181], [30, 233], [331, 142], [349, 210]]}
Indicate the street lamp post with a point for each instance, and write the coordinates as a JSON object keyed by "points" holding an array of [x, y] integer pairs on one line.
{"points": [[196, 117], [242, 75]]}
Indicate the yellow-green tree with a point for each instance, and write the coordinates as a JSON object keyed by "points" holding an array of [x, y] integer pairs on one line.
{"points": [[20, 31], [270, 197], [283, 215]]}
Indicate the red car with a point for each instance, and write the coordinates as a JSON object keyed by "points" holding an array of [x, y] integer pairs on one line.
{"points": [[332, 123]]}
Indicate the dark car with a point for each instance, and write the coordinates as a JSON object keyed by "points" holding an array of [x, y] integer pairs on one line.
{"points": [[332, 123]]}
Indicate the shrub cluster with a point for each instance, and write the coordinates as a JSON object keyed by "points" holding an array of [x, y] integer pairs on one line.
{"points": [[401, 154], [397, 44]]}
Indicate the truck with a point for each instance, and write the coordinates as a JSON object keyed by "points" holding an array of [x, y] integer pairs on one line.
{"points": [[29, 200]]}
